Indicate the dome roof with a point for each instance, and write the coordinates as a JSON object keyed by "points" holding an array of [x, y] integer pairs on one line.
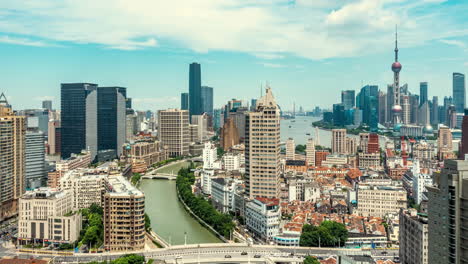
{"points": [[397, 109], [428, 129]]}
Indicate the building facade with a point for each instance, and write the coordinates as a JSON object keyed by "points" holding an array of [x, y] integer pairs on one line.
{"points": [[174, 131], [339, 141], [413, 237], [262, 216]]}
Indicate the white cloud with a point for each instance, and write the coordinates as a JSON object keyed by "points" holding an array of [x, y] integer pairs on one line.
{"points": [[454, 42], [266, 29], [272, 65], [21, 41]]}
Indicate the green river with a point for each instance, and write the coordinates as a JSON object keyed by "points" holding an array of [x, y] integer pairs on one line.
{"points": [[169, 219]]}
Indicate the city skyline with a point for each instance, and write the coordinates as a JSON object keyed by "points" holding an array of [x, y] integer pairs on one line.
{"points": [[152, 63]]}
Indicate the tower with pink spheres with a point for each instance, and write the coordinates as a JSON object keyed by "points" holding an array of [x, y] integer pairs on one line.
{"points": [[396, 68]]}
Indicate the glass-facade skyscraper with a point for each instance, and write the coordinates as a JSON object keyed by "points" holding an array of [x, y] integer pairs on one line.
{"points": [[184, 101], [423, 97], [459, 92], [368, 101], [207, 100], [195, 104], [348, 99], [79, 118], [111, 118]]}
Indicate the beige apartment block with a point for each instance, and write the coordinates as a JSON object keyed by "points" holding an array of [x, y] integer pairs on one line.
{"points": [[173, 131]]}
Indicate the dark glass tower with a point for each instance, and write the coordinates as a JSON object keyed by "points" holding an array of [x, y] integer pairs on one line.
{"points": [[195, 104], [79, 118], [348, 99], [184, 101], [459, 93], [111, 118], [207, 100], [368, 101], [423, 97]]}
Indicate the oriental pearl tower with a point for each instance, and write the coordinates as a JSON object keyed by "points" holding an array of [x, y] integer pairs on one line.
{"points": [[396, 68]]}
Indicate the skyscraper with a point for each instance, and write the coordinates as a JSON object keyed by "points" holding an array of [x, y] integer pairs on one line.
{"points": [[435, 110], [290, 149], [207, 100], [459, 92], [195, 103], [111, 118], [79, 118], [348, 99], [12, 158], [310, 152], [262, 149], [47, 104], [422, 93], [184, 101], [382, 107], [174, 131], [368, 102], [35, 173]]}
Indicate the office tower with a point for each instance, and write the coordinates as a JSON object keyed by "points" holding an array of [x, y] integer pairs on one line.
{"points": [[290, 149], [443, 115], [338, 141], [390, 96], [253, 104], [36, 119], [217, 119], [124, 233], [35, 173], [406, 109], [53, 139], [128, 103], [424, 116], [229, 135], [310, 152], [451, 119], [464, 140], [201, 122], [413, 237], [459, 92], [423, 93], [447, 212], [364, 142], [368, 101], [382, 107], [396, 68], [238, 116], [348, 99], [207, 100], [435, 110], [79, 118], [174, 131], [195, 107], [184, 101], [47, 215], [47, 104], [12, 158], [262, 140], [338, 115], [414, 105], [111, 130], [357, 116]]}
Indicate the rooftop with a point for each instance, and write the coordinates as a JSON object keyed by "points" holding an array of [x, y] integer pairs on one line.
{"points": [[268, 201], [119, 186]]}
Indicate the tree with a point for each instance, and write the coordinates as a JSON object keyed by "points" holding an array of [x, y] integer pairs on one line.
{"points": [[96, 209], [300, 148], [91, 236], [147, 223], [311, 260], [327, 234]]}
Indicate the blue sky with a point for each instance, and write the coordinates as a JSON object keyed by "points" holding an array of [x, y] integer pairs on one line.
{"points": [[307, 50]]}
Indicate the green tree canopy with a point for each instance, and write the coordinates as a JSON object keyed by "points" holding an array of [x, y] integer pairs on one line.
{"points": [[327, 234], [311, 260]]}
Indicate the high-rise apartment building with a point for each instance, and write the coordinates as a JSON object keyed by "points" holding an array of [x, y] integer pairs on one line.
{"points": [[195, 102], [413, 237], [423, 97], [262, 149], [35, 173], [348, 99], [339, 141], [174, 131], [79, 118], [447, 212], [459, 92], [124, 216], [310, 152], [444, 141], [290, 149], [111, 118], [184, 101], [12, 158]]}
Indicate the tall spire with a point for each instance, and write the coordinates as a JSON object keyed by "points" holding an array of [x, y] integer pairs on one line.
{"points": [[3, 100], [396, 43]]}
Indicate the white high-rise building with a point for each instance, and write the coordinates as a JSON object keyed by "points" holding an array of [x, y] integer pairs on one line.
{"points": [[262, 148], [210, 155], [173, 131], [35, 160], [262, 216], [420, 181], [406, 110], [310, 152], [290, 149]]}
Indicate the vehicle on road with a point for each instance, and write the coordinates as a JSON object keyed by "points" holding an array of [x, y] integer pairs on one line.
{"points": [[257, 256], [228, 256], [244, 253]]}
